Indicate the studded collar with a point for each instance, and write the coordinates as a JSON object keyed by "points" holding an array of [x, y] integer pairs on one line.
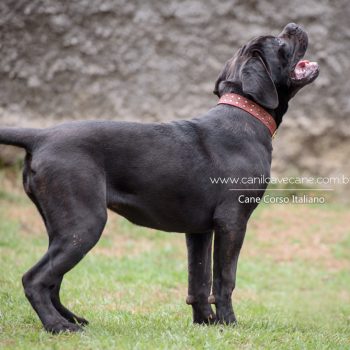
{"points": [[252, 108]]}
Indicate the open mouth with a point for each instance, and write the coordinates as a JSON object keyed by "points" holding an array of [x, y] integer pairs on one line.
{"points": [[305, 72]]}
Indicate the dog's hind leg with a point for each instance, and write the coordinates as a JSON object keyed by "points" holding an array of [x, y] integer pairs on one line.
{"points": [[75, 214], [199, 247]]}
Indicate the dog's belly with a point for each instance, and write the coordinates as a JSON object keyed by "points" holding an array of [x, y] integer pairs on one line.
{"points": [[171, 217]]}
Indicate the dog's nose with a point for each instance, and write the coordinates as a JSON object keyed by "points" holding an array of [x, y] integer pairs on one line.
{"points": [[297, 36], [291, 29], [295, 32]]}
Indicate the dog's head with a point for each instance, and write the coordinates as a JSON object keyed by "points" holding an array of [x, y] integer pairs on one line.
{"points": [[269, 69]]}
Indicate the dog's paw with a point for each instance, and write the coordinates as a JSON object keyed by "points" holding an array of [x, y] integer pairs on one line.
{"points": [[227, 319], [224, 312], [62, 327], [208, 320], [81, 321], [203, 314]]}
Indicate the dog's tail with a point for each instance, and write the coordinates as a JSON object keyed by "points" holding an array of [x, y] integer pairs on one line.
{"points": [[21, 137]]}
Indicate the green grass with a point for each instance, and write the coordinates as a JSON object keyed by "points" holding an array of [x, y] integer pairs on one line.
{"points": [[132, 287]]}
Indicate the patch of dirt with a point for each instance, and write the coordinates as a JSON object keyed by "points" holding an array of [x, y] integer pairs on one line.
{"points": [[287, 233], [135, 302], [344, 296], [28, 217], [245, 294], [125, 246], [6, 343]]}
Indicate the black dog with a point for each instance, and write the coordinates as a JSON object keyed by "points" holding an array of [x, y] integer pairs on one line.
{"points": [[158, 175]]}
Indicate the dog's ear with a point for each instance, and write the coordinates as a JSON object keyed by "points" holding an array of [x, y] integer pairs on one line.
{"points": [[257, 82], [222, 78], [216, 88]]}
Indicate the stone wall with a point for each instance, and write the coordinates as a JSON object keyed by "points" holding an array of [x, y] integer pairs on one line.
{"points": [[158, 60]]}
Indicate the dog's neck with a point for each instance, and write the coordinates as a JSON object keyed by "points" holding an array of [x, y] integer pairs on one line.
{"points": [[255, 110], [277, 113]]}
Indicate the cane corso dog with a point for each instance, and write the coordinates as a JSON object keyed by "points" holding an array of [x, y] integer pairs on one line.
{"points": [[159, 175]]}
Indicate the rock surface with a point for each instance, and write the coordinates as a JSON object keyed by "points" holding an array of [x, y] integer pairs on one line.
{"points": [[158, 60]]}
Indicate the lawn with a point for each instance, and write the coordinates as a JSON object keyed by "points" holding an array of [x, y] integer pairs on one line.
{"points": [[293, 284]]}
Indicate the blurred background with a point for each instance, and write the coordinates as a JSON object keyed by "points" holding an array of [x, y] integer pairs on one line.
{"points": [[158, 60]]}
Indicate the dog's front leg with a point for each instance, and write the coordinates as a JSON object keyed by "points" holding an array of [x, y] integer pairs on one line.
{"points": [[229, 235], [199, 247]]}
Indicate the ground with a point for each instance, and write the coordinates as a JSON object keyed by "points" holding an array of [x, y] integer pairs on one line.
{"points": [[292, 286]]}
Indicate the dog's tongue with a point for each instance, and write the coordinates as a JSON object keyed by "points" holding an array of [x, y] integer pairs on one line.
{"points": [[304, 68]]}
